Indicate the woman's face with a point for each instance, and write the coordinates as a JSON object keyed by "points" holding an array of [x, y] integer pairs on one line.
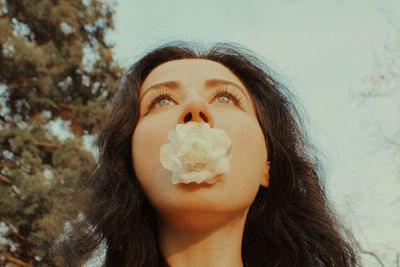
{"points": [[198, 90]]}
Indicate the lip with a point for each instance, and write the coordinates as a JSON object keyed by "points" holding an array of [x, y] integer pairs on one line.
{"points": [[193, 186]]}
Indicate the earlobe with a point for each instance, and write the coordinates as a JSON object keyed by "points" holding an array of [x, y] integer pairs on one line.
{"points": [[265, 177]]}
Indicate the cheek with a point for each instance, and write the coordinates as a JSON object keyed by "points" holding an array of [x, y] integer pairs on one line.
{"points": [[249, 155], [250, 137], [248, 143], [150, 134], [146, 142]]}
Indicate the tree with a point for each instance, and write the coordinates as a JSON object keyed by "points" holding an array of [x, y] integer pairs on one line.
{"points": [[381, 96], [382, 90], [56, 65]]}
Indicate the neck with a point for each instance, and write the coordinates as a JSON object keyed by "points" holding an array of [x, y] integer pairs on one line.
{"points": [[204, 244]]}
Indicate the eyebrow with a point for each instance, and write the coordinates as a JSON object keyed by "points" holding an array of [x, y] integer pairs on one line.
{"points": [[158, 86], [209, 84], [213, 83]]}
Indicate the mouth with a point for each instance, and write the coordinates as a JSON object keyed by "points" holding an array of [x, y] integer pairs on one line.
{"points": [[196, 154], [193, 186]]}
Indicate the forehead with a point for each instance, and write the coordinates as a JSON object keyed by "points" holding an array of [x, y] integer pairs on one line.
{"points": [[190, 70]]}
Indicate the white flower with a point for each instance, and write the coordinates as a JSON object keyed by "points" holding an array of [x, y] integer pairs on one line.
{"points": [[196, 153]]}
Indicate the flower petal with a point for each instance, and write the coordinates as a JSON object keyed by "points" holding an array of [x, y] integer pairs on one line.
{"points": [[196, 153]]}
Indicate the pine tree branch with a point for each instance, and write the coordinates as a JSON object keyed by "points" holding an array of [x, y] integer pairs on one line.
{"points": [[66, 106], [373, 255], [14, 260], [45, 144], [15, 232], [5, 179], [361, 250], [8, 165], [44, 178], [19, 236]]}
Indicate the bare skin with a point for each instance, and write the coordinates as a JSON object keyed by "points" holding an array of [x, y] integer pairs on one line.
{"points": [[215, 246], [199, 224]]}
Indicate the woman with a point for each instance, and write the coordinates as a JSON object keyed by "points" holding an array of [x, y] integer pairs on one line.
{"points": [[268, 209]]}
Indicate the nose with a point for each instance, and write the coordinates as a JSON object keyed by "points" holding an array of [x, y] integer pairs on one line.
{"points": [[196, 110]]}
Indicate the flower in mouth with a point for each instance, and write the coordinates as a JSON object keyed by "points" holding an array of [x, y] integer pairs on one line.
{"points": [[196, 153]]}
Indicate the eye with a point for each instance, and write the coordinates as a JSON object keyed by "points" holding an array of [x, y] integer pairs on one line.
{"points": [[163, 102], [223, 99], [163, 99], [224, 95]]}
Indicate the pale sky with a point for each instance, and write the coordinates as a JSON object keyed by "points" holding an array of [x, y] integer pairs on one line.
{"points": [[325, 51]]}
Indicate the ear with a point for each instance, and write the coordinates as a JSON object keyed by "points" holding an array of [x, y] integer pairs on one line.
{"points": [[265, 176]]}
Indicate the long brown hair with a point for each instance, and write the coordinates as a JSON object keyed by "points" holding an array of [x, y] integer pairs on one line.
{"points": [[290, 223]]}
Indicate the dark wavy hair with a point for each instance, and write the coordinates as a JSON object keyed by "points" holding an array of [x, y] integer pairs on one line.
{"points": [[290, 223]]}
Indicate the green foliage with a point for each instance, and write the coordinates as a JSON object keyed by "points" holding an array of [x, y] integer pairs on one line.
{"points": [[55, 64]]}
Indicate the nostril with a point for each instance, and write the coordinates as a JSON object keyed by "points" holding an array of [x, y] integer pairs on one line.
{"points": [[204, 117], [188, 117]]}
